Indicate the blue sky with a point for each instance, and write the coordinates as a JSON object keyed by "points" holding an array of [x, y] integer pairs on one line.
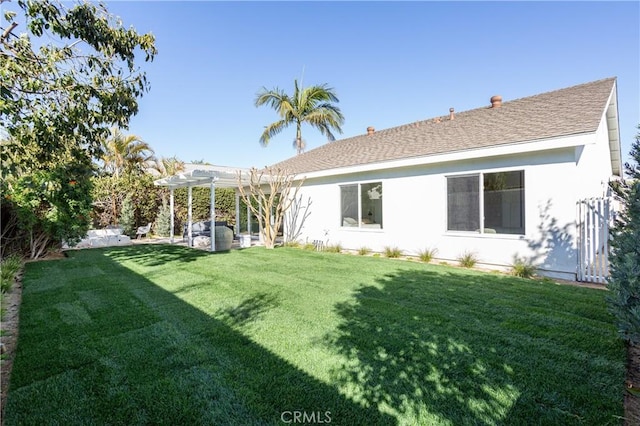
{"points": [[391, 63]]}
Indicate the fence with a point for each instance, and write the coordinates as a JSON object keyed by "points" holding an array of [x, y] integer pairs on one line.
{"points": [[595, 217]]}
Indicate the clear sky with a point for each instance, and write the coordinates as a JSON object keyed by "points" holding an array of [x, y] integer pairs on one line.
{"points": [[391, 63]]}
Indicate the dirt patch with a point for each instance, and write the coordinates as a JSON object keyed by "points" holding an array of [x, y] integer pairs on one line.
{"points": [[9, 338], [632, 394]]}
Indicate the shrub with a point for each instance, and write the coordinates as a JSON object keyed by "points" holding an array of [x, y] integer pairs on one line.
{"points": [[294, 244], [9, 267], [467, 259], [392, 252], [523, 269], [427, 254], [624, 281], [163, 221], [309, 246], [335, 248], [363, 251], [127, 219]]}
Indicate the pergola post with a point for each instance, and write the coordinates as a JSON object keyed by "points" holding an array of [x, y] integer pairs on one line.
{"points": [[248, 219], [237, 227], [171, 207], [189, 216], [213, 215]]}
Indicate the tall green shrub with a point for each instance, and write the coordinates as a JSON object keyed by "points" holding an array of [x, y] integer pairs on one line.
{"points": [[127, 219], [163, 221], [624, 281], [109, 194], [201, 204]]}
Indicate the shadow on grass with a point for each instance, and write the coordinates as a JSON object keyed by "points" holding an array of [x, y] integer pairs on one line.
{"points": [[111, 347], [248, 310], [444, 348], [159, 254]]}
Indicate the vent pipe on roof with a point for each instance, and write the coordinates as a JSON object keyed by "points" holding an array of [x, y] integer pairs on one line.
{"points": [[451, 116], [370, 130], [496, 101]]}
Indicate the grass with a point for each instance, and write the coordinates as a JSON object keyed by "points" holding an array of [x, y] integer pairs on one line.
{"points": [[467, 259], [392, 252], [9, 267], [523, 269], [167, 335], [427, 254], [363, 251], [333, 248]]}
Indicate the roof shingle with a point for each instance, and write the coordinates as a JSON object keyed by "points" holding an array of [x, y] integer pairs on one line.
{"points": [[570, 111]]}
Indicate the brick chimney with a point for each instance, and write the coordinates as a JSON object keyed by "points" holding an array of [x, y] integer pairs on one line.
{"points": [[370, 130], [496, 101], [451, 116]]}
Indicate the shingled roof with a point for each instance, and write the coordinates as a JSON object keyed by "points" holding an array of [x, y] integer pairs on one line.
{"points": [[571, 111]]}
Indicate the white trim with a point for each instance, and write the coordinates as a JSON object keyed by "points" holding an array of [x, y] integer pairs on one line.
{"points": [[468, 154]]}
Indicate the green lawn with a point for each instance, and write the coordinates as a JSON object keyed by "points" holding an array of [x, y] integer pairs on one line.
{"points": [[168, 335]]}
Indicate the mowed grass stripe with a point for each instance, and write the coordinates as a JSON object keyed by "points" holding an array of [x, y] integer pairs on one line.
{"points": [[164, 334]]}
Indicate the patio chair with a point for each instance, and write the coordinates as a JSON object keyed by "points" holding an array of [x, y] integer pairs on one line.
{"points": [[143, 230]]}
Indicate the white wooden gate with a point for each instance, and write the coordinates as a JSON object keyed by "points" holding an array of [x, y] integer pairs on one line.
{"points": [[595, 217]]}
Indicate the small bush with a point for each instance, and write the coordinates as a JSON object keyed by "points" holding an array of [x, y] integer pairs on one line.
{"points": [[523, 269], [467, 259], [294, 244], [335, 248], [309, 246], [363, 251], [376, 255], [427, 254], [392, 252], [9, 267]]}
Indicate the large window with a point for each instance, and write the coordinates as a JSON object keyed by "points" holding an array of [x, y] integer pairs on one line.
{"points": [[361, 205], [486, 203]]}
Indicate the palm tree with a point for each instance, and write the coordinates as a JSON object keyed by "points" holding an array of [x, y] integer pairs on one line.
{"points": [[167, 166], [125, 153], [313, 105]]}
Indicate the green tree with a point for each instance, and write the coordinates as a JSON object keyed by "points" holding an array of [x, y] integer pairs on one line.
{"points": [[67, 76], [624, 280], [109, 193], [163, 221], [313, 105], [127, 219], [126, 154]]}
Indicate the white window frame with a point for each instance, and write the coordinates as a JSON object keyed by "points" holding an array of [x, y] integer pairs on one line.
{"points": [[359, 218], [481, 211]]}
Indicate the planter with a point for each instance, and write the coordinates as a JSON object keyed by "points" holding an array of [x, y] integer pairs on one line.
{"points": [[224, 238], [245, 241]]}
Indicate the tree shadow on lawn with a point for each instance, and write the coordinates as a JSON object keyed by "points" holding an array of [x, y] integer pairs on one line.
{"points": [[159, 254], [445, 348], [116, 348]]}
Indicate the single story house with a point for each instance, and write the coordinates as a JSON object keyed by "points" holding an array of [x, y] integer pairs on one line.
{"points": [[501, 181]]}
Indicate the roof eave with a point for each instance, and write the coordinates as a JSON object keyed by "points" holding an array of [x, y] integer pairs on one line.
{"points": [[568, 141]]}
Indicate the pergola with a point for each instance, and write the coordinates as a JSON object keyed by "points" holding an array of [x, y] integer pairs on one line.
{"points": [[204, 175]]}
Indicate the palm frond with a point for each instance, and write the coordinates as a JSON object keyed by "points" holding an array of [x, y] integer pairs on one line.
{"points": [[273, 129]]}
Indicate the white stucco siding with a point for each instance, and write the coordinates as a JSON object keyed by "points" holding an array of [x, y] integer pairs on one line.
{"points": [[593, 161], [415, 210]]}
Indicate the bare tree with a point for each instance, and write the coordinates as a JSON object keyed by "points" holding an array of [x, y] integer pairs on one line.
{"points": [[295, 219], [269, 195]]}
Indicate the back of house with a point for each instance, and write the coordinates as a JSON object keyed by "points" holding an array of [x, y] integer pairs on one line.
{"points": [[502, 181]]}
